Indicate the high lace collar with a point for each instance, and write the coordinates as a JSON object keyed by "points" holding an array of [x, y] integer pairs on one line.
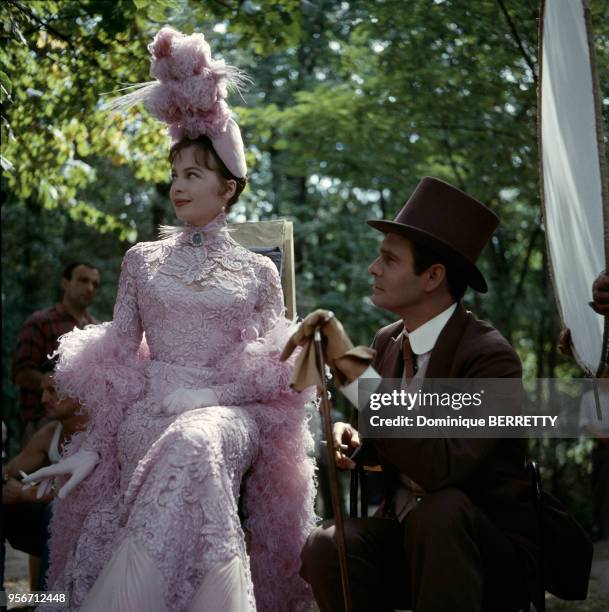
{"points": [[215, 225], [197, 235]]}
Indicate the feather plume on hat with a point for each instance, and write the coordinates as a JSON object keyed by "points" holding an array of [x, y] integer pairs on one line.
{"points": [[189, 94]]}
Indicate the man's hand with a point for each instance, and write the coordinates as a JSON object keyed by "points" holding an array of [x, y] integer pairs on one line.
{"points": [[12, 492], [564, 342], [347, 361], [343, 433], [182, 400], [77, 467], [600, 295], [337, 341]]}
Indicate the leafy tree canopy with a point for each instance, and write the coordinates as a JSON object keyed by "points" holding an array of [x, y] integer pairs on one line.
{"points": [[352, 103]]}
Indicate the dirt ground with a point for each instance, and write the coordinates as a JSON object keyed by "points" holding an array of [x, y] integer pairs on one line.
{"points": [[16, 581], [598, 590]]}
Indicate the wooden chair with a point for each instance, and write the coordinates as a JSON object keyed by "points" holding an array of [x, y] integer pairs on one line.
{"points": [[275, 239], [533, 469]]}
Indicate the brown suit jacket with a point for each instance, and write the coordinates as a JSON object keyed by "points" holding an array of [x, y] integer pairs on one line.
{"points": [[490, 471]]}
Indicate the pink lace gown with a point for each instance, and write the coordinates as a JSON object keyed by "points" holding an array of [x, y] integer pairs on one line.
{"points": [[158, 519]]}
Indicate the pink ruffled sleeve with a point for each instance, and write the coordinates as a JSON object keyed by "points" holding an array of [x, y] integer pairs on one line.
{"points": [[99, 365], [254, 373]]}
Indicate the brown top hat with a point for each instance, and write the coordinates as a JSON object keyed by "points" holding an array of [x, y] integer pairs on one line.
{"points": [[447, 220]]}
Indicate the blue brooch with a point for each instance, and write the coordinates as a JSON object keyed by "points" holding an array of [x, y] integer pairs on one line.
{"points": [[196, 239]]}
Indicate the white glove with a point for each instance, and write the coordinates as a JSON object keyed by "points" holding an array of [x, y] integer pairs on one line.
{"points": [[182, 400], [78, 467]]}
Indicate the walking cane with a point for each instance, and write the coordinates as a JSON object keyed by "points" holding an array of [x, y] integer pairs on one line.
{"points": [[326, 420]]}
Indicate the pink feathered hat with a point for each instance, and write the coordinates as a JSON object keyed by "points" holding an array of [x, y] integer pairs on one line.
{"points": [[189, 94]]}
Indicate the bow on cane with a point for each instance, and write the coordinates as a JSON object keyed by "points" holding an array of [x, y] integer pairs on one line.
{"points": [[324, 340]]}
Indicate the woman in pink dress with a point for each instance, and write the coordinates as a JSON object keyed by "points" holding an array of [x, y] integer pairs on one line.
{"points": [[192, 417]]}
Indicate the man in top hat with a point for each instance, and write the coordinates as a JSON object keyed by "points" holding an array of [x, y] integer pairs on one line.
{"points": [[458, 529]]}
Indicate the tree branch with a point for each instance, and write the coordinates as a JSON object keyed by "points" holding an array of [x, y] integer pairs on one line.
{"points": [[90, 59], [518, 41], [226, 5], [29, 13], [525, 266], [466, 128]]}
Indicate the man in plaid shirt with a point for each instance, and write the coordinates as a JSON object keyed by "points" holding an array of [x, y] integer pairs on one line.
{"points": [[38, 339]]}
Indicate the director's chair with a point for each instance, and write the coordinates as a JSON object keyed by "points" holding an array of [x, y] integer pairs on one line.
{"points": [[275, 239]]}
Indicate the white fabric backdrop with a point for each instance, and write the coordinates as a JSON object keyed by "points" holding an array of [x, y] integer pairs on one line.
{"points": [[572, 175]]}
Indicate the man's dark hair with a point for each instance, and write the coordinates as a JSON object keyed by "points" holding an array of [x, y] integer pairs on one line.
{"points": [[67, 271], [424, 257]]}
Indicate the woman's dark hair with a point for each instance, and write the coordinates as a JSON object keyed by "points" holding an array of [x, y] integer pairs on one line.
{"points": [[424, 257], [206, 156]]}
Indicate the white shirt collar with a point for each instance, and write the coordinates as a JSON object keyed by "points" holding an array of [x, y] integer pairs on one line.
{"points": [[424, 337]]}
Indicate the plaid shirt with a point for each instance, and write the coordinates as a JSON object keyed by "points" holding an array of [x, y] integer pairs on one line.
{"points": [[36, 341]]}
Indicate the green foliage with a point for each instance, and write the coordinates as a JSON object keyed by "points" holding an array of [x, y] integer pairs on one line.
{"points": [[352, 103]]}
